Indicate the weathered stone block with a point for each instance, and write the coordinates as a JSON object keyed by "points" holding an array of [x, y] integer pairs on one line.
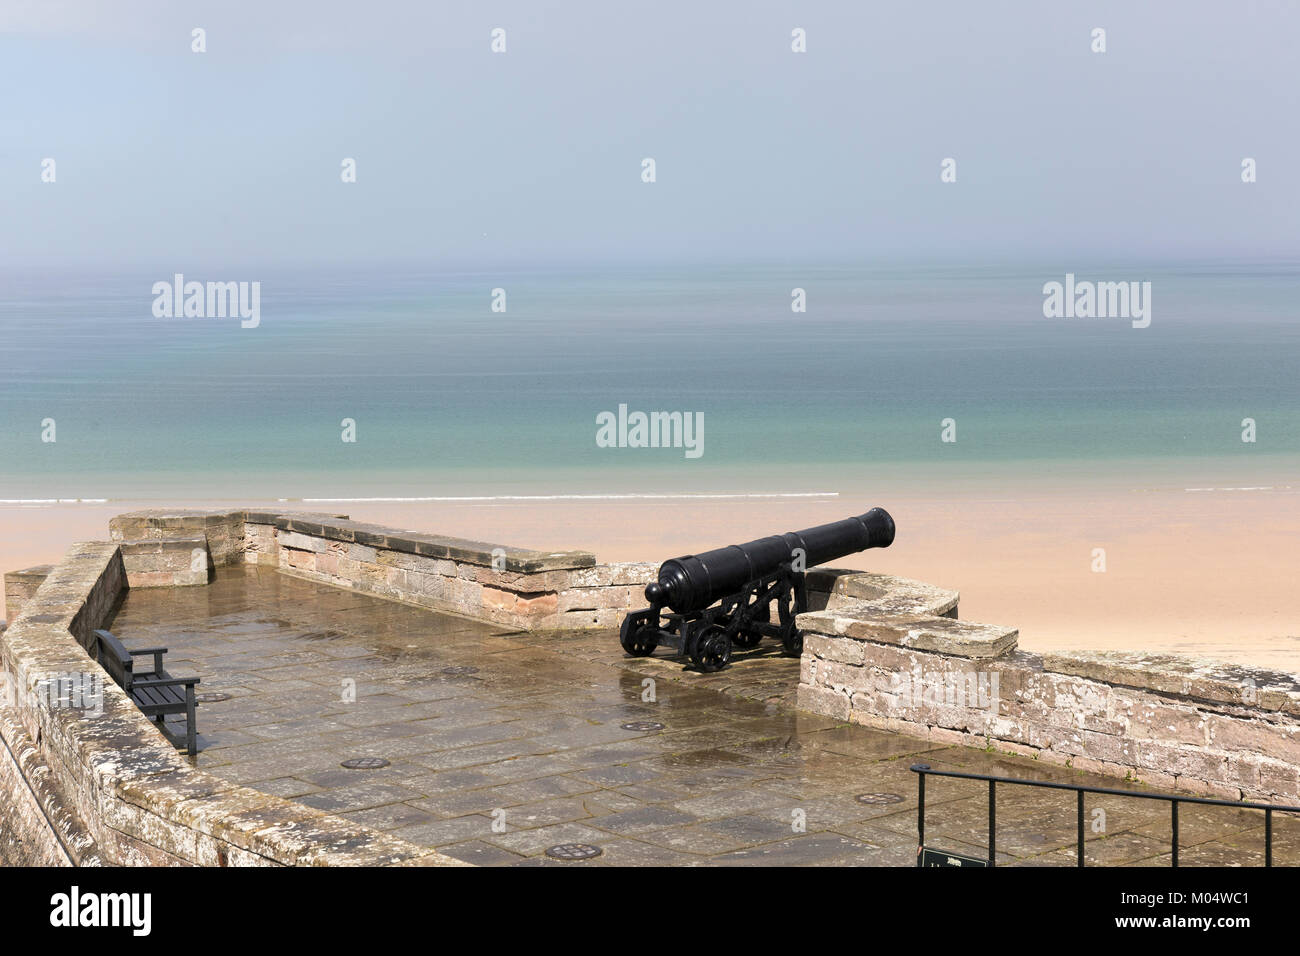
{"points": [[21, 585], [843, 650], [940, 634], [823, 700], [607, 575], [591, 599], [302, 542], [303, 560], [363, 553]]}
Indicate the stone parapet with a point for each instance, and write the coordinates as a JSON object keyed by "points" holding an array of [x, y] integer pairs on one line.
{"points": [[884, 594], [873, 657], [514, 587], [175, 561], [223, 531], [21, 585]]}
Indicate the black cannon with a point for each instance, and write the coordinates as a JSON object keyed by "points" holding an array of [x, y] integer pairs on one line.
{"points": [[724, 597]]}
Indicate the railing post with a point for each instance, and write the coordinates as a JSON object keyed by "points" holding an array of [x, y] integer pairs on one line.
{"points": [[1268, 837], [993, 822], [1174, 804], [1080, 793], [920, 769]]}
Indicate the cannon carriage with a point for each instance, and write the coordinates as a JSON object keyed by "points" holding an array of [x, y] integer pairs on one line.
{"points": [[704, 605]]}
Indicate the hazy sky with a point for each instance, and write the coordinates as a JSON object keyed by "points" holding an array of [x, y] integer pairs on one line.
{"points": [[534, 156]]}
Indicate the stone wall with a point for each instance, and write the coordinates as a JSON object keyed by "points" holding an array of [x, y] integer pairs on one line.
{"points": [[525, 589], [90, 780], [514, 587], [21, 585], [881, 654], [176, 561], [222, 531]]}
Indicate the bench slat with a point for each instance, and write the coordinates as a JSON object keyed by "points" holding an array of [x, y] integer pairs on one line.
{"points": [[168, 695], [151, 709], [146, 695]]}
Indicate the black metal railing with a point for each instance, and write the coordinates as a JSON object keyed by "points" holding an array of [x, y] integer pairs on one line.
{"points": [[923, 770]]}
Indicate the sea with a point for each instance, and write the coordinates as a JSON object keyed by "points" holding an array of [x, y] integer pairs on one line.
{"points": [[491, 383]]}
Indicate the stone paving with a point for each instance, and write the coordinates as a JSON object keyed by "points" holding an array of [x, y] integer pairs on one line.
{"points": [[503, 744]]}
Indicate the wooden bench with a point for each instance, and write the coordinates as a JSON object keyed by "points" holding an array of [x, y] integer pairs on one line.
{"points": [[155, 692]]}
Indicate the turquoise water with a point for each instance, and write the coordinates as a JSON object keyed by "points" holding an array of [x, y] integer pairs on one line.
{"points": [[451, 398]]}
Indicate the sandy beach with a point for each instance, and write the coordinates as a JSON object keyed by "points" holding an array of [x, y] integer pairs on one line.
{"points": [[1209, 571]]}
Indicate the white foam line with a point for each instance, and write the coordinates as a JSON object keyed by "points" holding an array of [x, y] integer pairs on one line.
{"points": [[53, 501], [1260, 488], [797, 494], [788, 494]]}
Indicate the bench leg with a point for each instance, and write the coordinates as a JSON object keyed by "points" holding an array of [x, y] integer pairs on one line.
{"points": [[191, 731]]}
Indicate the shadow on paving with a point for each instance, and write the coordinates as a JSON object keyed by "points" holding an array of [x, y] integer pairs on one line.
{"points": [[501, 745]]}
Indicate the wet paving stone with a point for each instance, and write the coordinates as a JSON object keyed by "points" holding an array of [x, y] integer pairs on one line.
{"points": [[390, 817], [700, 841], [750, 830], [618, 775], [726, 803], [542, 788], [653, 792], [287, 787], [503, 744], [361, 796], [451, 781], [642, 820], [548, 813], [443, 832], [637, 853], [481, 854], [807, 850]]}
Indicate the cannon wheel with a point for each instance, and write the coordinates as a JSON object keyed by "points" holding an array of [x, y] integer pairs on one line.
{"points": [[639, 641], [791, 636], [712, 649]]}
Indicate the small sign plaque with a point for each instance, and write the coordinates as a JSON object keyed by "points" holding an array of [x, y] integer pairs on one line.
{"points": [[933, 857]]}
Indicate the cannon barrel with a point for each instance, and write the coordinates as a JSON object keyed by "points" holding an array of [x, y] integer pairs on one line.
{"points": [[693, 582]]}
